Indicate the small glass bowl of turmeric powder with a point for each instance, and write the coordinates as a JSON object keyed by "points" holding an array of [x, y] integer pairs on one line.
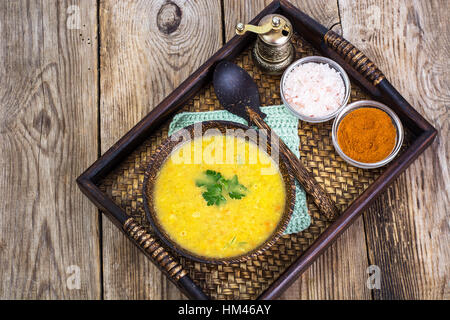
{"points": [[367, 134]]}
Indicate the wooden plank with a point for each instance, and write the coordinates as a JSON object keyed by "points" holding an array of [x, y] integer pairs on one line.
{"points": [[341, 272], [147, 49], [407, 228], [48, 136]]}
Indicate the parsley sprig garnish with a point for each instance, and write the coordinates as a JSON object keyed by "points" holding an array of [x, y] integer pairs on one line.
{"points": [[217, 187]]}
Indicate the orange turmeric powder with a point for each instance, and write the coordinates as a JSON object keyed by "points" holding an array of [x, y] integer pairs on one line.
{"points": [[367, 135]]}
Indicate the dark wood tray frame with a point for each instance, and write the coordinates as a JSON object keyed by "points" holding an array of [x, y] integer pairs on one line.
{"points": [[360, 69]]}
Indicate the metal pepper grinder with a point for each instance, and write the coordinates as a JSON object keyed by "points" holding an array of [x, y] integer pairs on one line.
{"points": [[273, 52]]}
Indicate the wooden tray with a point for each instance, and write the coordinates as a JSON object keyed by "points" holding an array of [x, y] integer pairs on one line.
{"points": [[114, 181]]}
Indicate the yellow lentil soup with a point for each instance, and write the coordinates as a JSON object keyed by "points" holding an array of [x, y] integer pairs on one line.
{"points": [[236, 224]]}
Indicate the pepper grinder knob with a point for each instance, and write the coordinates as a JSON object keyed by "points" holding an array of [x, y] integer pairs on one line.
{"points": [[240, 27], [276, 21]]}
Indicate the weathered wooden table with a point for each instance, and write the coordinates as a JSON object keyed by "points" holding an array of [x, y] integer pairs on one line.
{"points": [[76, 75]]}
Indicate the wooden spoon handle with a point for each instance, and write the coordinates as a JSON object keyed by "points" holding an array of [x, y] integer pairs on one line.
{"points": [[303, 175]]}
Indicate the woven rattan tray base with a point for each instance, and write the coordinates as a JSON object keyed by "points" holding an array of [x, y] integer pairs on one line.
{"points": [[249, 279]]}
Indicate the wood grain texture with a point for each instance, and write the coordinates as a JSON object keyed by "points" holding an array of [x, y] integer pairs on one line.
{"points": [[48, 136], [147, 49], [407, 228], [322, 280]]}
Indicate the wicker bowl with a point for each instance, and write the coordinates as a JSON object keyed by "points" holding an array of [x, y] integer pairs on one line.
{"points": [[220, 127]]}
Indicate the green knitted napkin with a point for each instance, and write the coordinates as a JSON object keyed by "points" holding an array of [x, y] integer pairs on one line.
{"points": [[284, 124]]}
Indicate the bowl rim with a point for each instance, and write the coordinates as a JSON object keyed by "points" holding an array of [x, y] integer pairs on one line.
{"points": [[165, 149], [318, 59], [368, 104]]}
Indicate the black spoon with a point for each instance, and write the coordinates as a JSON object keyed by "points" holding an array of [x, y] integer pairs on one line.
{"points": [[238, 93]]}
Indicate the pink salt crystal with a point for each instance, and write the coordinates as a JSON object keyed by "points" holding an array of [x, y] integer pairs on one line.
{"points": [[314, 89]]}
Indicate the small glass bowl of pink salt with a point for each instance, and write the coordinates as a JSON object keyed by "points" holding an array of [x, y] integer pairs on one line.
{"points": [[315, 89]]}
